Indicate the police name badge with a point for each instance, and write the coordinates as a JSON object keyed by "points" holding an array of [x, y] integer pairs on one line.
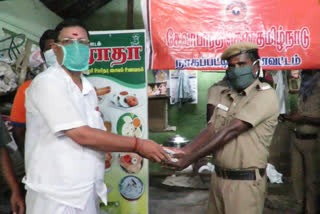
{"points": [[222, 107]]}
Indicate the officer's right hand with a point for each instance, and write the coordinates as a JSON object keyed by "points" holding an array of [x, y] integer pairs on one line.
{"points": [[152, 151]]}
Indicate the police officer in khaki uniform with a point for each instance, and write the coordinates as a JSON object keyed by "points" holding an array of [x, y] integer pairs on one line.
{"points": [[304, 140], [243, 116]]}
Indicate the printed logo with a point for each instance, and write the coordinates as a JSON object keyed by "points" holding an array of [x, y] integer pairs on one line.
{"points": [[236, 11]]}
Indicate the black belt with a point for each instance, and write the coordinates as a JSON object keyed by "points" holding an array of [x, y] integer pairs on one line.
{"points": [[238, 174], [302, 136]]}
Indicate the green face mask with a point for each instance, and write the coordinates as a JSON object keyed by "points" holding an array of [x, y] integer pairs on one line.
{"points": [[240, 78], [76, 57]]}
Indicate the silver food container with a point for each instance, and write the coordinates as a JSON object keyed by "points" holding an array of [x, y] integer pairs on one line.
{"points": [[177, 141]]}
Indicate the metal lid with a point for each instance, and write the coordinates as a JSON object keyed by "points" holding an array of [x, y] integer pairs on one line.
{"points": [[177, 141]]}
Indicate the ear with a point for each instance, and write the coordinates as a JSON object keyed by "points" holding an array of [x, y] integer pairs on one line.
{"points": [[256, 69], [55, 48]]}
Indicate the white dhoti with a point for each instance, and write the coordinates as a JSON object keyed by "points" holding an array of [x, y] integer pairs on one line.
{"points": [[38, 203]]}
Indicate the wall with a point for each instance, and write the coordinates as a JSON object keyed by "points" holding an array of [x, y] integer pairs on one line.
{"points": [[29, 17], [113, 16]]}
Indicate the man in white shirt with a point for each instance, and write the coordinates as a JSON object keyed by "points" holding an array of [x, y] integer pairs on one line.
{"points": [[65, 139]]}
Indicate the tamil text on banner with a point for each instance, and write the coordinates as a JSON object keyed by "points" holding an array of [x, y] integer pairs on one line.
{"points": [[117, 71], [192, 34]]}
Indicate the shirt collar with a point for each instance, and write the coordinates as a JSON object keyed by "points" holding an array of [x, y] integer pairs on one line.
{"points": [[86, 85], [254, 86], [251, 87]]}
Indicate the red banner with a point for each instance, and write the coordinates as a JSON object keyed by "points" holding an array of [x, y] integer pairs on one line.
{"points": [[192, 34]]}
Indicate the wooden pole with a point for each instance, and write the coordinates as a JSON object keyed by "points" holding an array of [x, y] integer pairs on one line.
{"points": [[130, 14], [22, 69]]}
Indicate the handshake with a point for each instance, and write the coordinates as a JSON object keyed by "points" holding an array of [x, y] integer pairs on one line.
{"points": [[177, 159], [171, 158]]}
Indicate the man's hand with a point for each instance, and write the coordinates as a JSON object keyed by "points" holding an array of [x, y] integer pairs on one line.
{"points": [[17, 202], [152, 151], [178, 160]]}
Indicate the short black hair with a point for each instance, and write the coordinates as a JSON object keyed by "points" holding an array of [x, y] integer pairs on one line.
{"points": [[71, 22], [48, 34]]}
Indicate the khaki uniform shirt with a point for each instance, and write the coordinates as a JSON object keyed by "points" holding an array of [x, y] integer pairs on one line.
{"points": [[256, 105], [310, 108]]}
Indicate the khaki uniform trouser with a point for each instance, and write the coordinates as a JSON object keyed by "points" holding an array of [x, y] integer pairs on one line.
{"points": [[237, 196], [303, 172]]}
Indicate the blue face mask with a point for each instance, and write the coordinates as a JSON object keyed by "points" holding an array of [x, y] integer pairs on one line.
{"points": [[76, 57]]}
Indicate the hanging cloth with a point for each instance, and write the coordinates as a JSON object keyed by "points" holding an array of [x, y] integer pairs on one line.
{"points": [[280, 78], [183, 92]]}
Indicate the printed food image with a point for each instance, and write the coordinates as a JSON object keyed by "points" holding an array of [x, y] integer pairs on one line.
{"points": [[129, 125], [130, 162], [124, 99], [132, 101], [123, 93], [101, 92], [131, 187], [107, 125], [108, 161]]}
